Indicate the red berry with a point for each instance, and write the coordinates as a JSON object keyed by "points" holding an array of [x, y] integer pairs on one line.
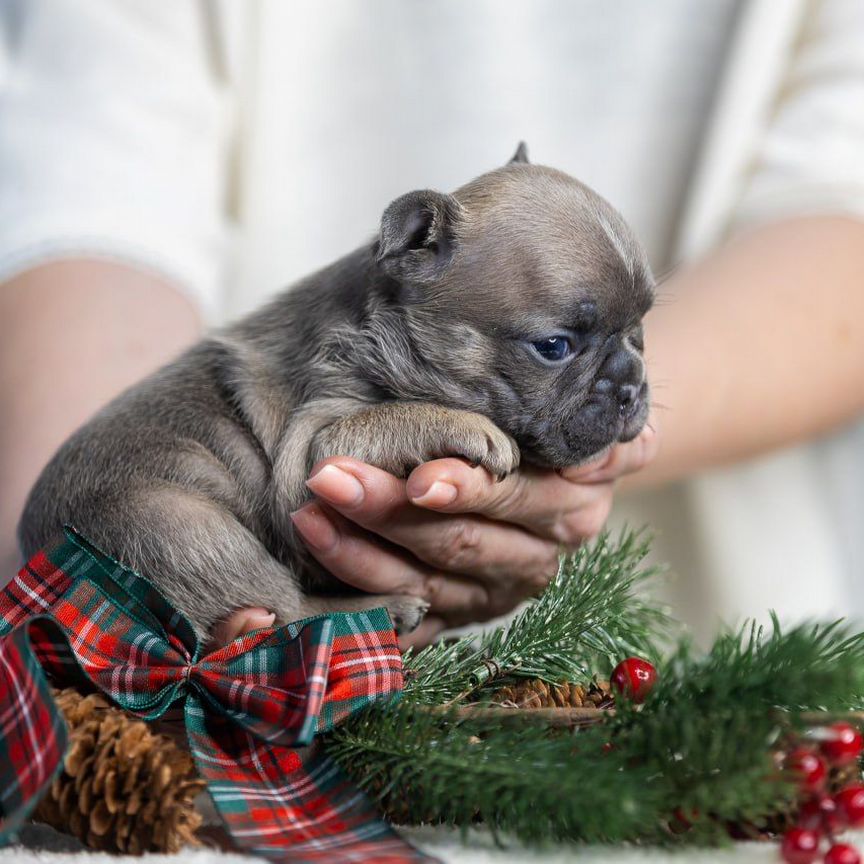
{"points": [[850, 804], [810, 815], [842, 853], [634, 678], [809, 768], [842, 744], [800, 846], [821, 814]]}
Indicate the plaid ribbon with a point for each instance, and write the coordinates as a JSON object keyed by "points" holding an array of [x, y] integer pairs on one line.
{"points": [[76, 616]]}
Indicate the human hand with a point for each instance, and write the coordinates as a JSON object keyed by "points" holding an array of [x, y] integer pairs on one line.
{"points": [[472, 547], [239, 623]]}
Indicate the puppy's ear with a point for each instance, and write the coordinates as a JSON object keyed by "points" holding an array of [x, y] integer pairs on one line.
{"points": [[417, 235], [520, 157]]}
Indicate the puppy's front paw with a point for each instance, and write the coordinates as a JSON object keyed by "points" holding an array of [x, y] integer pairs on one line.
{"points": [[399, 436], [483, 443]]}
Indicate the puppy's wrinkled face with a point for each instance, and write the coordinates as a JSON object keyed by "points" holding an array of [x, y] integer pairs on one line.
{"points": [[525, 292]]}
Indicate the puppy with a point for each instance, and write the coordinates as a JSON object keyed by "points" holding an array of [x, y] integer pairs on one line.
{"points": [[497, 323]]}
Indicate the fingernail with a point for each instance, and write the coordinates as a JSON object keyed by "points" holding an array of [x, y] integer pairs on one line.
{"points": [[438, 494], [337, 486], [315, 528]]}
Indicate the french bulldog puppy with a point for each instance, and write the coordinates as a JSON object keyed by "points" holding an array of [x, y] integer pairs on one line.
{"points": [[499, 323]]}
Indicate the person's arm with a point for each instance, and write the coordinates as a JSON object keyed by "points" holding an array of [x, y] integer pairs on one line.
{"points": [[73, 334], [760, 346], [112, 149]]}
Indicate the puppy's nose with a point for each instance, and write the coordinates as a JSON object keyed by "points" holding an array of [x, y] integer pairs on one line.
{"points": [[627, 395], [620, 378], [624, 394]]}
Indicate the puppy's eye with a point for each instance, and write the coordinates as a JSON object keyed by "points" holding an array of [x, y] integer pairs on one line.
{"points": [[554, 348]]}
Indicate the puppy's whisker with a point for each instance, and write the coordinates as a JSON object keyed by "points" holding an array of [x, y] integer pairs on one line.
{"points": [[665, 300], [667, 274]]}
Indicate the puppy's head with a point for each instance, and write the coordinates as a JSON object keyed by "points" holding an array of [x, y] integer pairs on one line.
{"points": [[520, 296]]}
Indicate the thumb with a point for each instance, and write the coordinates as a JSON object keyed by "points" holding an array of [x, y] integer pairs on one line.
{"points": [[239, 623]]}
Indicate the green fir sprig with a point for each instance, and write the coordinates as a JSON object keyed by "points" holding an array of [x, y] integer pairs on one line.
{"points": [[703, 745], [712, 724], [591, 615], [517, 782]]}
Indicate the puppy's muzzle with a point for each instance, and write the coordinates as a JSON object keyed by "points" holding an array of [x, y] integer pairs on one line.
{"points": [[621, 379]]}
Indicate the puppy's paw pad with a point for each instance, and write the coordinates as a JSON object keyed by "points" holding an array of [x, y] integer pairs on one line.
{"points": [[406, 612]]}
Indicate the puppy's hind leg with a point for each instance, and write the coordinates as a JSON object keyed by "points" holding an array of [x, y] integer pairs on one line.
{"points": [[208, 563], [205, 561]]}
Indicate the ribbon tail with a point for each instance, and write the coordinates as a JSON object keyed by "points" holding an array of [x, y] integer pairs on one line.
{"points": [[33, 735], [288, 804]]}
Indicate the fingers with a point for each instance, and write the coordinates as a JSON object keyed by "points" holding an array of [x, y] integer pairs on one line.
{"points": [[474, 548], [462, 544], [568, 507], [239, 623], [542, 502], [619, 461], [361, 560], [525, 497]]}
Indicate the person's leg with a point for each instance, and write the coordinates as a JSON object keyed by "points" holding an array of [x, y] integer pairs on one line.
{"points": [[73, 334]]}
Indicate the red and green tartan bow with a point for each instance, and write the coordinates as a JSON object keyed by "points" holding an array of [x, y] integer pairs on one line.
{"points": [[77, 616]]}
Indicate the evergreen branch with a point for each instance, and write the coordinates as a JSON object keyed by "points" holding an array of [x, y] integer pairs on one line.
{"points": [[810, 667], [712, 722], [702, 744], [588, 619], [431, 769]]}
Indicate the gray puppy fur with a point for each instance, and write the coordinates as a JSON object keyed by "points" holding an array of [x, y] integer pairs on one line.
{"points": [[439, 338]]}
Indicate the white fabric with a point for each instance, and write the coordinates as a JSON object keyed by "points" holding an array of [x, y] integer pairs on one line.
{"points": [[112, 139], [114, 121], [444, 844], [808, 158], [355, 104]]}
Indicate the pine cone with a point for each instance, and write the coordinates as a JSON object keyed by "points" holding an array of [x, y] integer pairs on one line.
{"points": [[534, 693], [122, 787]]}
